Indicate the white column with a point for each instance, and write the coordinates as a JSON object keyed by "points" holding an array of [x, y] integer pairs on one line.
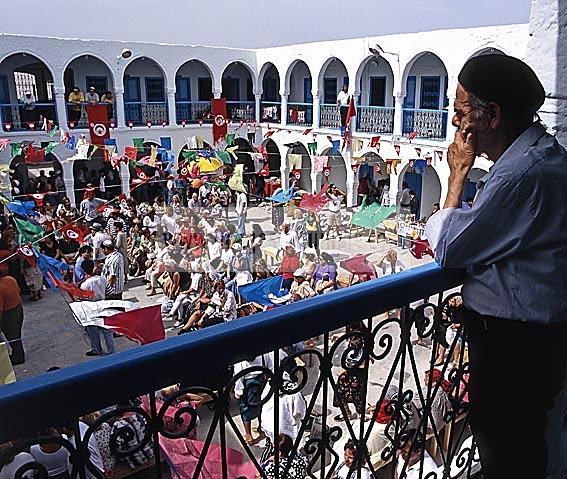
{"points": [[68, 179], [316, 109], [283, 112], [217, 93], [258, 98], [125, 178], [120, 115], [398, 114], [353, 119], [313, 181], [171, 107], [61, 107], [450, 128], [284, 176]]}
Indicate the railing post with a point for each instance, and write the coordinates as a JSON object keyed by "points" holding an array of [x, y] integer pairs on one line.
{"points": [[258, 98], [398, 114], [61, 107], [450, 128], [316, 110], [120, 115], [283, 110], [171, 109]]}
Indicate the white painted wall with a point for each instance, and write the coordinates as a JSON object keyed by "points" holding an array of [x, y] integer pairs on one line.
{"points": [[428, 65], [376, 68], [87, 67], [145, 68], [298, 74], [238, 70]]}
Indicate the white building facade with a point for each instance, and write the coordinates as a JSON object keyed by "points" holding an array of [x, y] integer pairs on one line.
{"points": [[286, 95]]}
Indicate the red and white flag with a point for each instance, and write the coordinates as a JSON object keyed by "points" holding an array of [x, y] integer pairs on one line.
{"points": [[28, 254], [73, 232], [142, 325]]}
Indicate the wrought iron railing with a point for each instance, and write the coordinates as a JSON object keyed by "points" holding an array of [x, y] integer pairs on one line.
{"points": [[329, 116], [375, 119], [244, 111], [426, 123], [17, 117], [77, 114], [271, 112], [300, 114], [193, 111], [191, 426], [144, 112]]}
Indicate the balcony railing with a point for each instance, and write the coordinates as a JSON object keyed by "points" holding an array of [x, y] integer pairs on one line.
{"points": [[300, 114], [374, 362], [375, 119], [193, 111], [271, 112], [17, 118], [241, 111], [77, 114], [329, 116], [430, 124], [140, 113]]}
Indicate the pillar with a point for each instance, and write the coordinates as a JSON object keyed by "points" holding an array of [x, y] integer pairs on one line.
{"points": [[316, 109], [450, 135], [284, 175], [217, 92], [283, 112], [125, 178], [313, 181], [171, 107], [69, 179], [547, 55], [398, 114], [61, 106], [120, 115], [258, 98]]}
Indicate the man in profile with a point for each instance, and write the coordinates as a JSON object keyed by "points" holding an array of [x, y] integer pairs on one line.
{"points": [[343, 100], [513, 244]]}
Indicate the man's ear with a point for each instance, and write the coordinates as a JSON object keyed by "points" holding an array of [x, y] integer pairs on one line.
{"points": [[494, 115]]}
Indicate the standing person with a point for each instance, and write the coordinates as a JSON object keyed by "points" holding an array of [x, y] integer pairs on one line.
{"points": [[343, 100], [390, 264], [121, 243], [313, 228], [288, 266], [241, 212], [76, 99], [12, 317], [108, 99], [98, 237], [113, 270], [512, 244], [335, 220], [403, 199], [28, 109], [88, 206], [288, 237], [414, 205], [92, 97]]}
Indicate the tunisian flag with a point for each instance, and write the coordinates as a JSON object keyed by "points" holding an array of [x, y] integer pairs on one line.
{"points": [[218, 110], [142, 325], [98, 123]]}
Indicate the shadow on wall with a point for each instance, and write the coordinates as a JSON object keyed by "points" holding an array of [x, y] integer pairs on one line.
{"points": [[561, 76]]}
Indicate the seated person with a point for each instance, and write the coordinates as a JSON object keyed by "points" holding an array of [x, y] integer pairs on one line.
{"points": [[408, 461], [353, 464], [325, 275], [300, 287], [288, 265], [222, 306]]}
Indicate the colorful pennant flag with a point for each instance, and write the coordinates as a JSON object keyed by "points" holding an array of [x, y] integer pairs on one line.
{"points": [[131, 152], [73, 232], [28, 232], [138, 144], [312, 148], [28, 255]]}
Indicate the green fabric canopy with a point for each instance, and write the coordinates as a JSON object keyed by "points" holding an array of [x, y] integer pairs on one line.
{"points": [[371, 216]]}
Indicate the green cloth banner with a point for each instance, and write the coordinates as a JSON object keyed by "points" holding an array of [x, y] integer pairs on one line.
{"points": [[225, 157], [50, 147], [229, 138], [312, 148], [138, 143], [54, 132], [28, 232], [189, 154], [371, 216], [16, 149]]}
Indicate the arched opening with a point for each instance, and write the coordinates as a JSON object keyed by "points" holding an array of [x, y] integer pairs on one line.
{"points": [[372, 176], [337, 174], [145, 100], [332, 78], [375, 113], [424, 181], [271, 100], [93, 79], [425, 103], [238, 89], [199, 144], [147, 191], [300, 101], [274, 157], [488, 51], [88, 174], [193, 92], [298, 158], [26, 93], [43, 177]]}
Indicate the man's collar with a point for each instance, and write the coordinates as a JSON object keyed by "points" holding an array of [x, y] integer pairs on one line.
{"points": [[520, 145]]}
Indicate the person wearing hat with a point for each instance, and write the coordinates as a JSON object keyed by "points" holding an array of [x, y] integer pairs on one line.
{"points": [[300, 288], [512, 244], [113, 270], [76, 99], [98, 237], [92, 97]]}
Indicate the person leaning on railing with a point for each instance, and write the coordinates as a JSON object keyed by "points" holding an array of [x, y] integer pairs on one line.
{"points": [[76, 98], [513, 244]]}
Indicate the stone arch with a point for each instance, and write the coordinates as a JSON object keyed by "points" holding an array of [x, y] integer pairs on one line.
{"points": [[94, 56], [340, 67], [299, 148], [274, 156], [289, 72], [22, 171], [428, 184], [338, 174], [410, 64], [270, 96]]}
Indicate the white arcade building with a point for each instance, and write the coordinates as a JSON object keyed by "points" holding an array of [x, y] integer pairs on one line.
{"points": [[404, 93]]}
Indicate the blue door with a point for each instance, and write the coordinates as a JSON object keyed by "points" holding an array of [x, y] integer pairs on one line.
{"points": [[414, 181], [307, 94], [329, 91], [409, 105], [132, 99], [182, 98], [430, 93]]}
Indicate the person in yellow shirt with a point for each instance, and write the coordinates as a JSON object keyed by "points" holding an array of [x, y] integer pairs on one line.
{"points": [[75, 99]]}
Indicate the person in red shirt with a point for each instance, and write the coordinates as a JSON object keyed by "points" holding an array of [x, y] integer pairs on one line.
{"points": [[289, 264], [12, 315]]}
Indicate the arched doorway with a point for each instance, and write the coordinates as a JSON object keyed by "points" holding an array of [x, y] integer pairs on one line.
{"points": [[274, 157], [238, 89], [271, 100], [338, 173], [43, 177], [86, 72], [87, 174], [373, 168], [424, 181], [425, 103], [298, 158], [145, 99], [26, 93], [332, 78], [300, 100], [193, 92]]}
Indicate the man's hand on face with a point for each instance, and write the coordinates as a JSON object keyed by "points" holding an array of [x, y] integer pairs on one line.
{"points": [[461, 152]]}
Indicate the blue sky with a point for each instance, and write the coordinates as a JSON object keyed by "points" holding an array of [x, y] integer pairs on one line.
{"points": [[250, 23]]}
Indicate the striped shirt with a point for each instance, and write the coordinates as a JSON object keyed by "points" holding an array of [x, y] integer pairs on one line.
{"points": [[114, 266]]}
